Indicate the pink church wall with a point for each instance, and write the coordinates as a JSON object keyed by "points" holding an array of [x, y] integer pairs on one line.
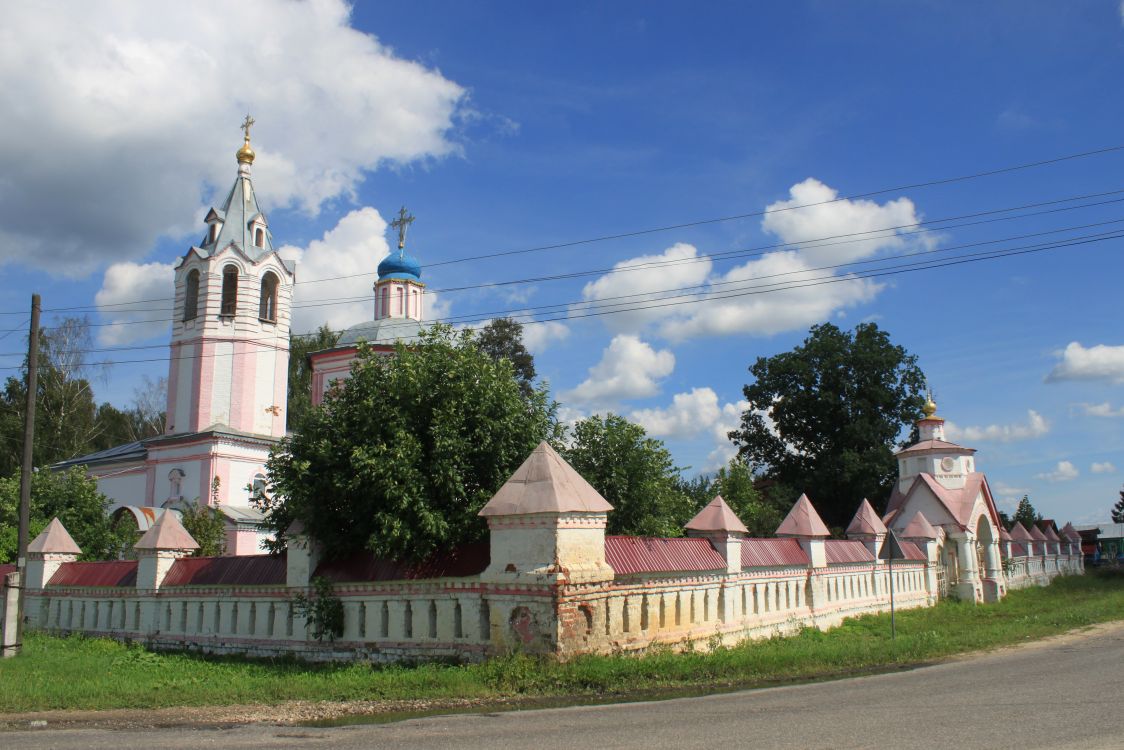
{"points": [[204, 386], [173, 383]]}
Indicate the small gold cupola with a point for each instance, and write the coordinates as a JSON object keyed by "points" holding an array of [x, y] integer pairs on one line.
{"points": [[246, 154]]}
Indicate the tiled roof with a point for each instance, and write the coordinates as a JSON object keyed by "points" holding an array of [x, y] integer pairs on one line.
{"points": [[803, 520], [717, 516], [545, 483], [846, 551], [772, 553], [636, 554], [463, 561], [108, 573], [866, 521], [239, 570], [56, 539]]}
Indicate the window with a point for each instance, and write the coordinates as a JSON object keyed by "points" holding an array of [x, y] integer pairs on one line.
{"points": [[400, 295], [215, 226], [229, 291], [259, 237], [385, 302], [267, 309], [415, 307], [191, 295]]}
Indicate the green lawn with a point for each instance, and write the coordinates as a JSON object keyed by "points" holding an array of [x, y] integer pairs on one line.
{"points": [[81, 673]]}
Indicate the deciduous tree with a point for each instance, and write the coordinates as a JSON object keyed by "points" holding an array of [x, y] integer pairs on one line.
{"points": [[824, 418], [300, 373], [502, 338], [403, 455]]}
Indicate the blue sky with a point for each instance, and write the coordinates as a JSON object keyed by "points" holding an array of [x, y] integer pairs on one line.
{"points": [[507, 126]]}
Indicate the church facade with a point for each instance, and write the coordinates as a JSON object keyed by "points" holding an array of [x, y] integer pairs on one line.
{"points": [[227, 377]]}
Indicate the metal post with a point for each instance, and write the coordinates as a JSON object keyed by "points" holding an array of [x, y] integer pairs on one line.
{"points": [[26, 467], [893, 624]]}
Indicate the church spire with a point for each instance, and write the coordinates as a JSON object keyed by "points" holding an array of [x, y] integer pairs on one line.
{"points": [[239, 221], [245, 155]]}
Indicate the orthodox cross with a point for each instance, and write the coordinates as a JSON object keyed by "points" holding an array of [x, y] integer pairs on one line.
{"points": [[402, 223], [246, 125]]}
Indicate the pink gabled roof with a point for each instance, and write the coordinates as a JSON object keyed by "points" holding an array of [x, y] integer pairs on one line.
{"points": [[803, 520], [1004, 535], [1069, 532], [545, 483], [772, 553], [935, 445], [846, 551], [958, 502], [1050, 535], [919, 528], [54, 538], [1036, 534], [866, 521], [167, 534], [637, 554], [1019, 533], [717, 516]]}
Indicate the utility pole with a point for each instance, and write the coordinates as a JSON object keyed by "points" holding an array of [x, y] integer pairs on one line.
{"points": [[26, 468]]}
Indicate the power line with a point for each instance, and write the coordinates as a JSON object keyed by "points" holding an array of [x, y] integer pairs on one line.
{"points": [[760, 289], [845, 238]]}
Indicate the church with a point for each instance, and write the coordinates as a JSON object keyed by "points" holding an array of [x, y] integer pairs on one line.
{"points": [[229, 365]]}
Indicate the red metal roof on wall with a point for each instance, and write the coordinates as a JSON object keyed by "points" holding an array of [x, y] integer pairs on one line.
{"points": [[466, 560], [108, 573], [771, 553], [912, 551], [637, 554], [242, 570], [846, 551]]}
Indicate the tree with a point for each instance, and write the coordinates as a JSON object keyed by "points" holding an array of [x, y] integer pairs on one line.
{"points": [[824, 418], [1026, 514], [206, 526], [75, 500], [502, 338], [402, 456], [300, 373], [634, 472], [1118, 509], [735, 483]]}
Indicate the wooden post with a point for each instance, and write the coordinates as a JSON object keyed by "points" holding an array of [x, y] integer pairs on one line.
{"points": [[26, 467]]}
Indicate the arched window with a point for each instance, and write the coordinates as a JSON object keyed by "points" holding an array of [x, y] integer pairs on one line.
{"points": [[385, 302], [229, 291], [267, 309], [191, 295], [401, 296], [416, 306], [259, 237], [215, 226]]}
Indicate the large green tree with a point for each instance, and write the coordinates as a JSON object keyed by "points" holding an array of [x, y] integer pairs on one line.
{"points": [[825, 417], [634, 472], [75, 500], [735, 482], [1026, 514], [400, 459], [502, 338], [300, 373]]}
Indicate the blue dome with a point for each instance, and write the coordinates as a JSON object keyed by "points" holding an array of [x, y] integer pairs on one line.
{"points": [[400, 265]]}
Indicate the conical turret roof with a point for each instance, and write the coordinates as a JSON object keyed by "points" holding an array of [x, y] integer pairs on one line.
{"points": [[545, 483], [919, 528], [717, 516], [1051, 535], [54, 539], [1036, 534], [1019, 533], [803, 520], [167, 534], [866, 521]]}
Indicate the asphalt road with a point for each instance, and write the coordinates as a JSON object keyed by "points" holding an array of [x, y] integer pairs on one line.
{"points": [[1060, 694]]}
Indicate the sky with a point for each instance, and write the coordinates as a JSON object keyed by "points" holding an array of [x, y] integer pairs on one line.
{"points": [[508, 126]]}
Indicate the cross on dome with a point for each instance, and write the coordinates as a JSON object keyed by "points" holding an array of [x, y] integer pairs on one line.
{"points": [[402, 223]]}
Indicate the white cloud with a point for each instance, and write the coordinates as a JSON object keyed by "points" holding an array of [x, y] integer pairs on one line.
{"points": [[688, 415], [778, 291], [639, 282], [1008, 496], [1064, 472], [629, 368], [1035, 426], [1102, 468], [537, 337], [352, 249], [801, 226], [126, 283], [1100, 362], [1102, 410], [121, 119]]}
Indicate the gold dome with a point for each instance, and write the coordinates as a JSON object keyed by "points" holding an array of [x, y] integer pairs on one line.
{"points": [[930, 407], [245, 154]]}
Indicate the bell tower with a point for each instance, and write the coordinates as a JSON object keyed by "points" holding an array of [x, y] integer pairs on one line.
{"points": [[229, 360]]}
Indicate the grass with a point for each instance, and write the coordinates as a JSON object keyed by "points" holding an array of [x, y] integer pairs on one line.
{"points": [[91, 673]]}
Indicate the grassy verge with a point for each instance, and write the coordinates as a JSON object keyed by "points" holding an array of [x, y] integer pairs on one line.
{"points": [[82, 673]]}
